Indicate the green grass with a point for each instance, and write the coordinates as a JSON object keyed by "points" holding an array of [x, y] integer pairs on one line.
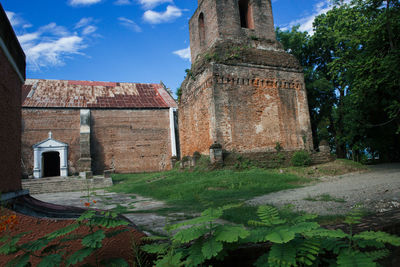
{"points": [[325, 198], [337, 167], [190, 192]]}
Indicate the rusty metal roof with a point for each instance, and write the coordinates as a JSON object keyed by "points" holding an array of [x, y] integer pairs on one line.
{"points": [[90, 94]]}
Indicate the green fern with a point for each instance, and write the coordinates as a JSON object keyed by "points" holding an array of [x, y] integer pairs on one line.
{"points": [[269, 215], [379, 237], [377, 254], [282, 255], [211, 248], [354, 259], [355, 216], [307, 252], [230, 234]]}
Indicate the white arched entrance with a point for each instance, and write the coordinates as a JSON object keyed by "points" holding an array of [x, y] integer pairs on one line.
{"points": [[50, 158]]}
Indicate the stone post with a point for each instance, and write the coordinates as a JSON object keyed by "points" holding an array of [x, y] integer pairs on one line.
{"points": [[324, 147], [196, 156], [216, 154], [85, 161]]}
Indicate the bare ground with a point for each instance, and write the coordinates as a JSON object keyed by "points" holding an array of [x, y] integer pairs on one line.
{"points": [[377, 190]]}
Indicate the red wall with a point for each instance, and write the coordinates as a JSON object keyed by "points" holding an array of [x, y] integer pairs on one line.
{"points": [[10, 123]]}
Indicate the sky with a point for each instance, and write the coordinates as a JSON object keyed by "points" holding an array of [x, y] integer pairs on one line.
{"points": [[144, 41]]}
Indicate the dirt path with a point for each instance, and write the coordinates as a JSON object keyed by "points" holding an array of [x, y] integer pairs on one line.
{"points": [[377, 190]]}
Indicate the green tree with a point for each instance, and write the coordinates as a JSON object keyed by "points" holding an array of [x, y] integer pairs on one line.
{"points": [[352, 72]]}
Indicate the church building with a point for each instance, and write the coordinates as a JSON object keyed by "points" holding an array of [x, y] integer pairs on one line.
{"points": [[243, 90], [73, 127]]}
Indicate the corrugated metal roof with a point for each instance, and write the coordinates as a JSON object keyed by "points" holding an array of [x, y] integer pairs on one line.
{"points": [[90, 94]]}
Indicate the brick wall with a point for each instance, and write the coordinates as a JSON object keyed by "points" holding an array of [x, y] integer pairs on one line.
{"points": [[127, 140], [222, 22], [130, 140], [10, 121], [196, 129], [63, 123], [257, 107]]}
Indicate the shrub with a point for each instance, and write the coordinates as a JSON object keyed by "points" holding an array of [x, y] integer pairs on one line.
{"points": [[301, 158]]}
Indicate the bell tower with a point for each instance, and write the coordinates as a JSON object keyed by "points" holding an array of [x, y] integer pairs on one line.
{"points": [[238, 20], [243, 90]]}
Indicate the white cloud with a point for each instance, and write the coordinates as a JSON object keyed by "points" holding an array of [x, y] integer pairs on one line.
{"points": [[122, 2], [51, 44], [183, 53], [83, 2], [89, 30], [149, 4], [28, 37], [83, 22], [44, 54], [54, 29], [306, 23], [168, 15], [13, 18], [130, 24]]}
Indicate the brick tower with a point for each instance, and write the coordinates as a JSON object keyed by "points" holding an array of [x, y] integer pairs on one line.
{"points": [[243, 90]]}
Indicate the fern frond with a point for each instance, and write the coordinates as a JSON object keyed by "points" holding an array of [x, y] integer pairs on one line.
{"points": [[257, 235], [334, 245], [308, 251], [377, 254], [326, 233], [355, 216], [354, 259], [230, 233], [304, 227], [211, 248], [196, 256], [269, 215], [189, 234], [304, 218], [282, 255], [362, 243], [380, 237], [280, 235]]}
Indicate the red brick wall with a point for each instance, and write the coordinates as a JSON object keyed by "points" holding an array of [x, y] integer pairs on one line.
{"points": [[246, 109], [10, 121], [63, 123], [130, 140]]}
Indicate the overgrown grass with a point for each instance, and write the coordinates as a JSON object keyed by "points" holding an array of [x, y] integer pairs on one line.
{"points": [[194, 191], [337, 167]]}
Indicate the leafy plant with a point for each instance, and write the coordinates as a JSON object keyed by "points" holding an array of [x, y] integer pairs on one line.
{"points": [[301, 158], [203, 240], [50, 249], [301, 241]]}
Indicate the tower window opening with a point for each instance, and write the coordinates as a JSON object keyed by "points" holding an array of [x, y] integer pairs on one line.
{"points": [[246, 14], [202, 32]]}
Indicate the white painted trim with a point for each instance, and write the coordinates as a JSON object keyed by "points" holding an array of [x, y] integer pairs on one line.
{"points": [[172, 130], [38, 151], [11, 60]]}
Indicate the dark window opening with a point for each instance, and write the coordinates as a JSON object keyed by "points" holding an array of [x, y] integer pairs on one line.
{"points": [[246, 14], [202, 31], [51, 164]]}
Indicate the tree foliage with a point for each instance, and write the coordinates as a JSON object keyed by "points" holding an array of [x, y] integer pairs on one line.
{"points": [[352, 73]]}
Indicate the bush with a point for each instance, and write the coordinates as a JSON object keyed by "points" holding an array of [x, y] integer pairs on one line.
{"points": [[301, 158]]}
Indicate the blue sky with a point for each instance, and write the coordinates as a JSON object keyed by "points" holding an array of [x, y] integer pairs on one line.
{"points": [[120, 40]]}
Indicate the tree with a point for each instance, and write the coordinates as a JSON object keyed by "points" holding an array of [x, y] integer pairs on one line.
{"points": [[352, 73]]}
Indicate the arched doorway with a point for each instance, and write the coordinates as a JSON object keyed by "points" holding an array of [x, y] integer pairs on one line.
{"points": [[51, 164], [50, 158]]}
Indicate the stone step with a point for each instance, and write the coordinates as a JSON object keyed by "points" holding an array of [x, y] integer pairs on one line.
{"points": [[54, 185]]}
